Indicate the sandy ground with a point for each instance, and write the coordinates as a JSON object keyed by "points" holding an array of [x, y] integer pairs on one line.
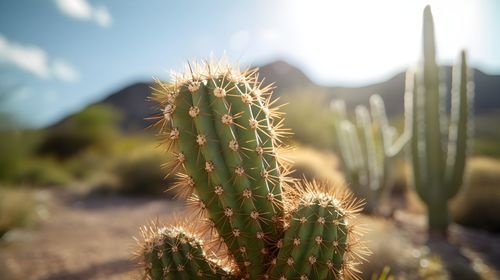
{"points": [[83, 238], [91, 237]]}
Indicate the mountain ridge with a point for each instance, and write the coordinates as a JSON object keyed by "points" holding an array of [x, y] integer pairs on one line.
{"points": [[131, 100]]}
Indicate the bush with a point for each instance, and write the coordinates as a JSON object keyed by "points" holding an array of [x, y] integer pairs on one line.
{"points": [[15, 147], [42, 172], [16, 209], [478, 204], [309, 119], [140, 173], [95, 127]]}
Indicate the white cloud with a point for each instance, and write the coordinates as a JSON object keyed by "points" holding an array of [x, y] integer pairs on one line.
{"points": [[35, 60], [29, 58], [102, 16], [64, 71], [83, 10]]}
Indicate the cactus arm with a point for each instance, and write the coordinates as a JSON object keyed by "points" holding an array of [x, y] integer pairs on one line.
{"points": [[380, 116], [187, 146], [279, 264], [241, 105], [267, 138], [459, 126], [372, 156], [434, 160], [372, 159], [241, 181], [211, 122], [305, 255], [350, 149], [316, 242], [417, 141]]}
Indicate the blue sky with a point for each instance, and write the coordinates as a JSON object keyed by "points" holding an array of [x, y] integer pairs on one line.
{"points": [[60, 55]]}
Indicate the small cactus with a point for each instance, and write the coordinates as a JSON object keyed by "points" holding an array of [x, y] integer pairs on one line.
{"points": [[319, 242], [439, 144], [218, 123], [177, 253], [367, 149]]}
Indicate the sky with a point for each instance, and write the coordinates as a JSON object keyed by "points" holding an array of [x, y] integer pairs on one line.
{"points": [[56, 56]]}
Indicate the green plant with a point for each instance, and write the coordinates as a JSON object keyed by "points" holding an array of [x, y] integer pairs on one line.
{"points": [[95, 127], [226, 136], [367, 149], [177, 253], [139, 173], [42, 172], [439, 145]]}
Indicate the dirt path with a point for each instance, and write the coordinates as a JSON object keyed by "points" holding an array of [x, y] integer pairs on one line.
{"points": [[84, 238]]}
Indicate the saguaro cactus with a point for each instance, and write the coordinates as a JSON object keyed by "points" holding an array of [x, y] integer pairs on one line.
{"points": [[218, 123], [367, 148], [438, 146]]}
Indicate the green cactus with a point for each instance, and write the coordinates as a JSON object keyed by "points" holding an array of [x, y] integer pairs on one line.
{"points": [[367, 148], [177, 253], [438, 146], [225, 137], [319, 240], [221, 125]]}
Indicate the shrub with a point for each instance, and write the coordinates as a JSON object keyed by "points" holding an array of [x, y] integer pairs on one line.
{"points": [[309, 119], [139, 173], [478, 204], [15, 147], [95, 127], [42, 172]]}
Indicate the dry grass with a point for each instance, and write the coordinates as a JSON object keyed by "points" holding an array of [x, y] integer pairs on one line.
{"points": [[17, 209], [390, 248], [314, 164], [478, 204]]}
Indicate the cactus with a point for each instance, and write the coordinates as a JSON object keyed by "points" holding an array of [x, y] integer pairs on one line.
{"points": [[218, 123], [319, 241], [177, 253], [367, 148], [438, 146]]}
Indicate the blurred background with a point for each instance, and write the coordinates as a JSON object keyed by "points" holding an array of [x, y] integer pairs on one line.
{"points": [[80, 171]]}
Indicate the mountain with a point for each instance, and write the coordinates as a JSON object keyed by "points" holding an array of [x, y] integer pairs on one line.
{"points": [[132, 100]]}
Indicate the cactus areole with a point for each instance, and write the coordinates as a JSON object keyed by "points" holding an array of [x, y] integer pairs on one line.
{"points": [[218, 123]]}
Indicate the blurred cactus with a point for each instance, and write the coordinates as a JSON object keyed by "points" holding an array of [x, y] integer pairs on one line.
{"points": [[225, 138], [439, 145], [367, 149]]}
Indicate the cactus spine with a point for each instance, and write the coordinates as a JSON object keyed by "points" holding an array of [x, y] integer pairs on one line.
{"points": [[367, 148], [224, 137], [438, 146]]}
